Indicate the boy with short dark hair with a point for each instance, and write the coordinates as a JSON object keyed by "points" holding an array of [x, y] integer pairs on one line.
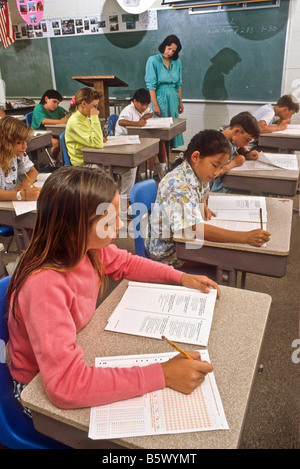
{"points": [[136, 113], [274, 118], [49, 112], [242, 129]]}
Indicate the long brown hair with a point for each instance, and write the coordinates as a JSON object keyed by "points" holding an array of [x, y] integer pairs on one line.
{"points": [[66, 209], [12, 130]]}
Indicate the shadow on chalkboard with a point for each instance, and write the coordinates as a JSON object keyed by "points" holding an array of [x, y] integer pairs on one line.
{"points": [[132, 40], [223, 62]]}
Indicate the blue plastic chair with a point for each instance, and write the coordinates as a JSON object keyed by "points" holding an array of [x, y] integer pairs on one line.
{"points": [[64, 150], [29, 118], [143, 192], [111, 123], [16, 430]]}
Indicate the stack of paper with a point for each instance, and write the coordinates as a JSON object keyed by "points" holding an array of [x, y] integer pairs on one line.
{"points": [[121, 140], [238, 213], [152, 310], [161, 412]]}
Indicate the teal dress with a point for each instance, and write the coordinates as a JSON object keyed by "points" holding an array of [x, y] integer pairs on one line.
{"points": [[165, 81]]}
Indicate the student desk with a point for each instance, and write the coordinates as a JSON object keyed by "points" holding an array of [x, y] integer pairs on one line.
{"points": [[283, 141], [236, 335], [228, 258], [20, 223], [165, 134], [127, 156], [37, 143], [56, 129], [276, 182]]}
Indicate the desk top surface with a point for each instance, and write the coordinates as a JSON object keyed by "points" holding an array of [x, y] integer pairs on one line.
{"points": [[123, 149], [237, 330], [279, 223]]}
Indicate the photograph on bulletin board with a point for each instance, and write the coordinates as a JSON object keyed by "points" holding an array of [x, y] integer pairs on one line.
{"points": [[31, 11]]}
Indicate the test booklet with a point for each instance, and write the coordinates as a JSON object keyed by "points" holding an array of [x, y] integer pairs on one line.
{"points": [[159, 122], [152, 310], [25, 206], [240, 208], [121, 140], [270, 162], [159, 412]]}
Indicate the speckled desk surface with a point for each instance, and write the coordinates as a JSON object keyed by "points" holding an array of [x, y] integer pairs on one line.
{"points": [[279, 223], [237, 331]]}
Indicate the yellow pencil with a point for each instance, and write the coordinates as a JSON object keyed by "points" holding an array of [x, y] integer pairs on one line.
{"points": [[261, 219], [176, 347], [29, 180]]}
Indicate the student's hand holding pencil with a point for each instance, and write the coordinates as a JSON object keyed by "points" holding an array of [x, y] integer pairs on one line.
{"points": [[257, 237], [184, 375]]}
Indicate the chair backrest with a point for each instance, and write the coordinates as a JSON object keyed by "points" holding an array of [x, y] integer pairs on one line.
{"points": [[16, 429], [111, 123], [29, 118], [64, 150], [144, 193]]}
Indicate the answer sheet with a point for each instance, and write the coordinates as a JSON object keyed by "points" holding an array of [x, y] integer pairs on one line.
{"points": [[152, 310], [159, 412]]}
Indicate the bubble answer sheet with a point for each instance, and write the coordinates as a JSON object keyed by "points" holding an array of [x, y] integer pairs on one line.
{"points": [[159, 412]]}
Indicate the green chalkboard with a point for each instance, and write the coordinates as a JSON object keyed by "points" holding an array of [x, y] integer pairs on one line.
{"points": [[226, 56], [25, 68], [233, 55]]}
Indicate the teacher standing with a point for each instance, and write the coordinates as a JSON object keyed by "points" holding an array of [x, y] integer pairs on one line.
{"points": [[164, 79]]}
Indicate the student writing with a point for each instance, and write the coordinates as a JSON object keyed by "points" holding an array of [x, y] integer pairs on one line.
{"points": [[14, 162], [180, 193], [274, 118], [49, 112], [135, 114], [242, 129], [53, 291]]}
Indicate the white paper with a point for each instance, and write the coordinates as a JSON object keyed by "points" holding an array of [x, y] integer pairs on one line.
{"points": [[152, 310], [40, 132], [160, 412], [270, 162], [24, 206], [159, 122], [279, 160], [289, 131], [238, 208], [121, 140]]}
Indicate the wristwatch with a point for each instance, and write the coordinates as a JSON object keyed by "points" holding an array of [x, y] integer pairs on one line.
{"points": [[19, 197]]}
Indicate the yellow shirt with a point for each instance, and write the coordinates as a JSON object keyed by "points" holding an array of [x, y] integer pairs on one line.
{"points": [[82, 131]]}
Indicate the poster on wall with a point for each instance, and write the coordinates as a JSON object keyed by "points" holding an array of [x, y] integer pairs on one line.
{"points": [[96, 24], [31, 11]]}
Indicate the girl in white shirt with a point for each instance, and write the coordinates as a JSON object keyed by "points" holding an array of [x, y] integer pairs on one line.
{"points": [[14, 162]]}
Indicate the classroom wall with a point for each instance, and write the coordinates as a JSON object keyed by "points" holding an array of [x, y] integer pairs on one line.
{"points": [[198, 115]]}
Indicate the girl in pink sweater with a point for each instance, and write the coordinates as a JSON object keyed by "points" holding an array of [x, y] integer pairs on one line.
{"points": [[53, 292]]}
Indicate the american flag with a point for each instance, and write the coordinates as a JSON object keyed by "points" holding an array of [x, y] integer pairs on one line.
{"points": [[7, 34]]}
